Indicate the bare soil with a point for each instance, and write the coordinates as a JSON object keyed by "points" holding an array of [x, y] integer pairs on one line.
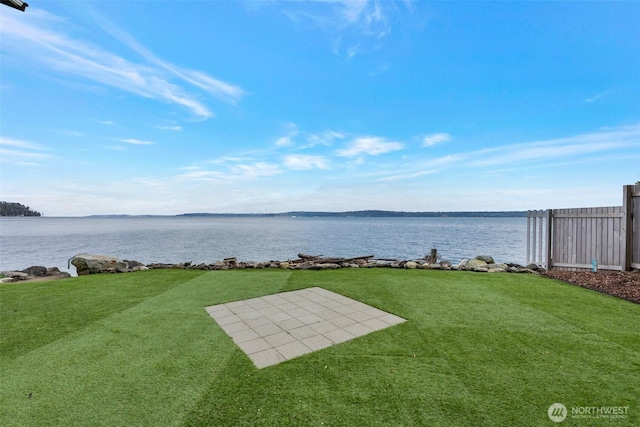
{"points": [[621, 284]]}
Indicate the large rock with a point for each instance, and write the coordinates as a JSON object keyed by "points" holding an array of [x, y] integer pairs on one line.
{"points": [[95, 264], [475, 264], [486, 258], [36, 271]]}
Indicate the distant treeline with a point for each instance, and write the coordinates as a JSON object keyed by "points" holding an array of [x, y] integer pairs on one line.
{"points": [[377, 214], [16, 209]]}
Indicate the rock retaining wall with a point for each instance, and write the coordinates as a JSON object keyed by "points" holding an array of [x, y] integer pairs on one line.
{"points": [[97, 264]]}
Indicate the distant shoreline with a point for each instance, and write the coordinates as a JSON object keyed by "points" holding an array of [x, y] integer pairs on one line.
{"points": [[313, 214], [346, 214]]}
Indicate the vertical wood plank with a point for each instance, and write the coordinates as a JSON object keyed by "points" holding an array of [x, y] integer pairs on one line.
{"points": [[626, 228], [548, 258]]}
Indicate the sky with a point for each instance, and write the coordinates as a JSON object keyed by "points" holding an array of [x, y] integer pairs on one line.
{"points": [[169, 107]]}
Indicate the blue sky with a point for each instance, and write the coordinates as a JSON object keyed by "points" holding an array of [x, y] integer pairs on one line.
{"points": [[166, 107]]}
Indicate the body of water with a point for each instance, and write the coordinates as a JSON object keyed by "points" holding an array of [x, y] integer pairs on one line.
{"points": [[51, 242]]}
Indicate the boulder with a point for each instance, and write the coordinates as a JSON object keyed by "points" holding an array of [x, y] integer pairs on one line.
{"points": [[474, 264], [95, 264], [462, 264], [33, 273], [36, 271], [486, 258], [54, 272], [411, 265], [445, 264], [16, 275]]}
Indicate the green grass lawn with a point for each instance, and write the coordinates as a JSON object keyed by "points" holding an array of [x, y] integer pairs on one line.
{"points": [[477, 350]]}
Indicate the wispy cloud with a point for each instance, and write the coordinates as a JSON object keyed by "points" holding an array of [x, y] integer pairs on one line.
{"points": [[230, 170], [20, 152], [323, 138], [436, 138], [305, 162], [371, 145], [545, 153], [290, 133], [407, 175], [134, 141], [175, 128], [597, 96], [46, 39], [256, 170], [358, 25], [559, 148]]}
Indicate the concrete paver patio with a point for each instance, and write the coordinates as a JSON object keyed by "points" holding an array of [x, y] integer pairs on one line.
{"points": [[279, 327]]}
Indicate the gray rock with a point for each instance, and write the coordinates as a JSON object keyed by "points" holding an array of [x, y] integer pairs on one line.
{"points": [[55, 272], [445, 264], [95, 264], [411, 265], [497, 270], [486, 258], [532, 266], [36, 271], [473, 264], [462, 264], [435, 266], [16, 275]]}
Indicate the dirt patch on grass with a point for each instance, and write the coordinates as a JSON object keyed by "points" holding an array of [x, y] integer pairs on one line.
{"points": [[621, 284]]}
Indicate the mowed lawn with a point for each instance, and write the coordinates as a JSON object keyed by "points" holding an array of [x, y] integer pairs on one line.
{"points": [[477, 350]]}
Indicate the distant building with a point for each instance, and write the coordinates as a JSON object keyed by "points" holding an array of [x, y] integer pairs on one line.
{"points": [[16, 4]]}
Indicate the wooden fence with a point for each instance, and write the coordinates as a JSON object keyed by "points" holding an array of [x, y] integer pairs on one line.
{"points": [[606, 238]]}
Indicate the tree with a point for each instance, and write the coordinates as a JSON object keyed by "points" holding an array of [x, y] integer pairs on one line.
{"points": [[16, 209]]}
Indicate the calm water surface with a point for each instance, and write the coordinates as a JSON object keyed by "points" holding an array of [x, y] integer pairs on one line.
{"points": [[53, 241]]}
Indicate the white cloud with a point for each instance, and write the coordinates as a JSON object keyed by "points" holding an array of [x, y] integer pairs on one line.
{"points": [[407, 175], [257, 169], [323, 138], [580, 148], [17, 143], [230, 173], [305, 162], [43, 38], [175, 128], [134, 141], [284, 141], [436, 138], [597, 97], [371, 145], [357, 24], [20, 152], [555, 149], [287, 140]]}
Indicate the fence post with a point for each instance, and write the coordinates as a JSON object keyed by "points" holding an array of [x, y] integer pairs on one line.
{"points": [[626, 245], [548, 259], [529, 213]]}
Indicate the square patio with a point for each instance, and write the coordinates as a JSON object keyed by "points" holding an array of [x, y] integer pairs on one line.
{"points": [[278, 327]]}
